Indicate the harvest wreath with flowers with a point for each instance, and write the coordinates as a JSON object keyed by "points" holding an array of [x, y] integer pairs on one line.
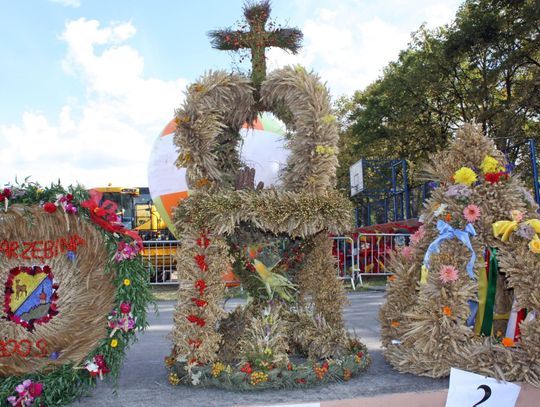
{"points": [[291, 332], [466, 292], [72, 298]]}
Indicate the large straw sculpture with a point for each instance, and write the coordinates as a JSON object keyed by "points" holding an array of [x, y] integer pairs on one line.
{"points": [[466, 292], [291, 332]]}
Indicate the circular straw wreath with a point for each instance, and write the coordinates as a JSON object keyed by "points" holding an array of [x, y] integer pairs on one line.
{"points": [[75, 292]]}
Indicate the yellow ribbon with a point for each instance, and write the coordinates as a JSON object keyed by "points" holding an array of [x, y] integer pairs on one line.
{"points": [[423, 274], [504, 228], [535, 223]]}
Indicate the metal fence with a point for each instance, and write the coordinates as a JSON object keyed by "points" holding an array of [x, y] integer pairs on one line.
{"points": [[365, 255], [159, 258]]}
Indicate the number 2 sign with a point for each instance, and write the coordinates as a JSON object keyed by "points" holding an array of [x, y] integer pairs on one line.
{"points": [[473, 390]]}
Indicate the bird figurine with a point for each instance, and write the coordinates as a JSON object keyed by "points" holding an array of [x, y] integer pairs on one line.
{"points": [[274, 282]]}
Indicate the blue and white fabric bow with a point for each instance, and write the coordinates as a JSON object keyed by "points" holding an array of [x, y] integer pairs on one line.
{"points": [[447, 232]]}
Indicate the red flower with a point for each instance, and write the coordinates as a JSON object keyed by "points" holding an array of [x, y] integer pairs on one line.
{"points": [[194, 319], [247, 369], [201, 286], [200, 260], [125, 308], [6, 193], [203, 242], [99, 360], [69, 197], [49, 207], [195, 343], [494, 177], [35, 389], [199, 303], [301, 381]]}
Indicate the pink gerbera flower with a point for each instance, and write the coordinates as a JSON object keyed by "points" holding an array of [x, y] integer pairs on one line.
{"points": [[448, 274], [471, 213], [418, 235], [407, 252]]}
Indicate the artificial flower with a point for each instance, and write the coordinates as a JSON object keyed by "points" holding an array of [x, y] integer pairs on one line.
{"points": [[440, 209], [525, 231], [458, 191], [123, 322], [471, 213], [114, 343], [516, 215], [448, 217], [49, 207], [173, 379], [534, 245], [507, 342], [448, 274], [418, 235], [27, 392], [127, 282], [465, 176], [494, 177], [196, 320], [6, 193], [200, 284], [125, 308], [490, 164], [447, 311], [97, 366], [126, 251], [199, 302], [394, 324], [407, 252]]}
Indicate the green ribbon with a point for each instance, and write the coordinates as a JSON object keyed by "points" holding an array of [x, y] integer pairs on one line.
{"points": [[492, 273]]}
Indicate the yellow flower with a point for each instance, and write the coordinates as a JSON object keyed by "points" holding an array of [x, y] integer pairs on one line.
{"points": [[258, 377], [534, 245], [490, 164], [174, 379], [114, 343], [217, 368], [465, 176], [268, 352], [127, 282]]}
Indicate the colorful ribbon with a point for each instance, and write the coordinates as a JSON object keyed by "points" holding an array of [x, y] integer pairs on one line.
{"points": [[447, 232], [492, 273]]}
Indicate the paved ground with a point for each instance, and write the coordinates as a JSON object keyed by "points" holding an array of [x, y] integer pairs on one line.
{"points": [[143, 381]]}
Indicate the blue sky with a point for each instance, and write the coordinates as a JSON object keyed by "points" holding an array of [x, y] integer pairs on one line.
{"points": [[87, 85]]}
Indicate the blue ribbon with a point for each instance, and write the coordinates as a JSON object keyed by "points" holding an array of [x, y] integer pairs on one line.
{"points": [[447, 232]]}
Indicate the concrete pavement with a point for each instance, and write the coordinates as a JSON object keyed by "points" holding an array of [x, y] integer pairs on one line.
{"points": [[143, 381]]}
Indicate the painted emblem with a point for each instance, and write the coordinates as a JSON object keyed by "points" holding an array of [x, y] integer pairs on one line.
{"points": [[31, 296]]}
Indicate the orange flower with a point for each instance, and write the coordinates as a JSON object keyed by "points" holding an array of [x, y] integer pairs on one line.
{"points": [[448, 217], [508, 342], [447, 311], [392, 278], [394, 324]]}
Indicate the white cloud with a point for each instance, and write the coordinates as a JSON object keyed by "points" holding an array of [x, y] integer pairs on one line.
{"points": [[68, 3], [350, 43], [108, 136]]}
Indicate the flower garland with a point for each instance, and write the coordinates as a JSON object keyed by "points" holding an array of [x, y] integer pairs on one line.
{"points": [[66, 382], [246, 377]]}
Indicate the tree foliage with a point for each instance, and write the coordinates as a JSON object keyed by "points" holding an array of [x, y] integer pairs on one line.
{"points": [[483, 67]]}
